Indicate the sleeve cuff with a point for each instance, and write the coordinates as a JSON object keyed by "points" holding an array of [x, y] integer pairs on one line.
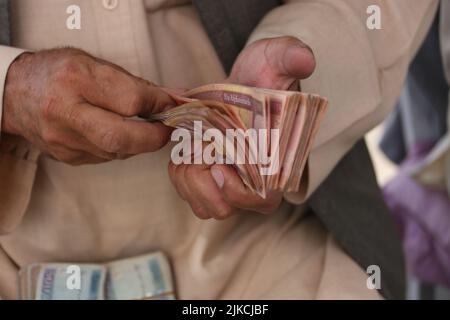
{"points": [[7, 57]]}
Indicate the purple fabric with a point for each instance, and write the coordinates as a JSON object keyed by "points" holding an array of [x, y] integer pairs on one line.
{"points": [[423, 218]]}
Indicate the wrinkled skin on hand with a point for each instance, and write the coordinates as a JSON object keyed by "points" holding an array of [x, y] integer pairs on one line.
{"points": [[77, 108]]}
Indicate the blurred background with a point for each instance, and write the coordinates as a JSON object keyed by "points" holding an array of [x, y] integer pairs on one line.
{"points": [[386, 171], [411, 155]]}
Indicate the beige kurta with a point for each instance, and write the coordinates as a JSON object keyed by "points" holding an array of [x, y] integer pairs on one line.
{"points": [[51, 212]]}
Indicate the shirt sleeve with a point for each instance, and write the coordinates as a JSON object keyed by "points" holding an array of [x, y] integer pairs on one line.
{"points": [[361, 71], [17, 161], [7, 57]]}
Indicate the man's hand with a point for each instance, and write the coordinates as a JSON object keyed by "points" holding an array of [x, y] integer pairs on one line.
{"points": [[217, 191], [77, 108]]}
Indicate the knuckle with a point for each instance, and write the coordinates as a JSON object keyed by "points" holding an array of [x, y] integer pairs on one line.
{"points": [[68, 69], [105, 74], [224, 213], [50, 136], [113, 141], [200, 212]]}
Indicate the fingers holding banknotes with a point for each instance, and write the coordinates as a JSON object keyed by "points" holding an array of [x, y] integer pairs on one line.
{"points": [[217, 192], [78, 108], [238, 196]]}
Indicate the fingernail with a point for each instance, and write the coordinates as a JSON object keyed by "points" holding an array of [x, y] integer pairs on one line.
{"points": [[218, 177], [301, 44], [295, 49], [299, 61]]}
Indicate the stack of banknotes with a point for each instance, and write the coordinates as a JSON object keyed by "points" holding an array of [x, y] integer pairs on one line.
{"points": [[273, 154], [147, 277]]}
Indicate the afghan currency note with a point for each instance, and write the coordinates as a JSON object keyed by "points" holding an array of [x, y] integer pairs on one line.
{"points": [[53, 283], [147, 277]]}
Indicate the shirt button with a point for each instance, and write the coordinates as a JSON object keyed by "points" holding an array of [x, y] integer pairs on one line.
{"points": [[110, 4]]}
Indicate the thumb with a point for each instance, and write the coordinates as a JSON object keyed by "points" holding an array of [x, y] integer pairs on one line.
{"points": [[290, 57], [273, 63]]}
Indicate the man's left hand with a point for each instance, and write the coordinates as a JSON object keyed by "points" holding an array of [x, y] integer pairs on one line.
{"points": [[217, 191]]}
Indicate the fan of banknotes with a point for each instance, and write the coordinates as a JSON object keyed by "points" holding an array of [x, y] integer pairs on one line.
{"points": [[142, 278], [266, 134]]}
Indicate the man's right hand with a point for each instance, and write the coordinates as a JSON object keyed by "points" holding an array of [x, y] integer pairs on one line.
{"points": [[77, 108]]}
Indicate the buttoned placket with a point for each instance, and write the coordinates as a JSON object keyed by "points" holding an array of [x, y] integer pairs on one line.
{"points": [[110, 4], [115, 33]]}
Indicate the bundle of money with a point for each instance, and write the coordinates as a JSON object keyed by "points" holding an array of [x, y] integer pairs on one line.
{"points": [[266, 134], [142, 278]]}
